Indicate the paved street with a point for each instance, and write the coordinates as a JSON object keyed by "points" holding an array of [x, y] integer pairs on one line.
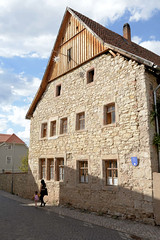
{"points": [[21, 221]]}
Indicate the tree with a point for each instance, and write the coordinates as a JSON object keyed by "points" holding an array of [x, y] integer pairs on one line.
{"points": [[24, 164]]}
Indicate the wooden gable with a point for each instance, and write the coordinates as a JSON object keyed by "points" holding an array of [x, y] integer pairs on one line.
{"points": [[76, 42]]}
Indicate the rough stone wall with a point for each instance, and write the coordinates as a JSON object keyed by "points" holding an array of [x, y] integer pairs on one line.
{"points": [[23, 184], [116, 80]]}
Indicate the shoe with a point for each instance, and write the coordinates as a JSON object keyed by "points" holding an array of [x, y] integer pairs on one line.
{"points": [[44, 204]]}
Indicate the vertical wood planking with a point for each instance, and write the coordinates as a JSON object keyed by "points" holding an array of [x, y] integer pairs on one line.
{"points": [[84, 46]]}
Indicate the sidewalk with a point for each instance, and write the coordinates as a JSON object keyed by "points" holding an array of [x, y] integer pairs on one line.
{"points": [[133, 230]]}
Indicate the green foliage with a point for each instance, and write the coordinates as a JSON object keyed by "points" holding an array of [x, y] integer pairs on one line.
{"points": [[24, 164], [156, 140]]}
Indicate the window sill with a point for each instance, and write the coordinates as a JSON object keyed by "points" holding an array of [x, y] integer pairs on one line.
{"points": [[84, 185], [53, 137], [45, 138], [62, 135], [90, 84], [109, 125], [81, 131], [111, 188]]}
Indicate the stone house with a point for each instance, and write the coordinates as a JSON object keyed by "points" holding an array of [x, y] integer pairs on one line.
{"points": [[12, 150], [91, 137]]}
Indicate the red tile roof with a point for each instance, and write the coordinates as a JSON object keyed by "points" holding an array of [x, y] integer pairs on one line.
{"points": [[8, 138], [117, 40]]}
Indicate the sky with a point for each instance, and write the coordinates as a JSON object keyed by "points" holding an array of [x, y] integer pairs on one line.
{"points": [[28, 30]]}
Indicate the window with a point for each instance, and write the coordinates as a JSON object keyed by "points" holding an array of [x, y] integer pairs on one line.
{"points": [[8, 160], [83, 171], [58, 90], [42, 168], [90, 76], [60, 169], [80, 121], [50, 166], [63, 126], [44, 130], [69, 55], [109, 114], [52, 128], [9, 146], [111, 172]]}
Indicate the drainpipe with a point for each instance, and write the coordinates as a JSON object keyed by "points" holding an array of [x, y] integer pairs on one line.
{"points": [[157, 124]]}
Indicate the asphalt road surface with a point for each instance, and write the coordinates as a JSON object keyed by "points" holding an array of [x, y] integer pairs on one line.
{"points": [[19, 221]]}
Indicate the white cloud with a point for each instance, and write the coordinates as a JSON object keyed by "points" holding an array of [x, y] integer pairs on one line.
{"points": [[3, 124], [153, 46], [14, 118], [10, 131], [30, 31], [136, 39], [25, 88]]}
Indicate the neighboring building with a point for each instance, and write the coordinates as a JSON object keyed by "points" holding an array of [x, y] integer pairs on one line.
{"points": [[12, 150], [91, 136]]}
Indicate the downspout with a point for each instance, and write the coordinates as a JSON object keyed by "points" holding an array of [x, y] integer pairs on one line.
{"points": [[157, 123]]}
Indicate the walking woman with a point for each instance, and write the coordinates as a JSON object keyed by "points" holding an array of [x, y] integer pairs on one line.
{"points": [[42, 192]]}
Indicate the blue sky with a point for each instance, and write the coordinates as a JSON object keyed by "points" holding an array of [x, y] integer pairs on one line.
{"points": [[27, 33]]}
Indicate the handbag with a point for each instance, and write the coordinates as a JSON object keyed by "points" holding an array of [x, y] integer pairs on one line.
{"points": [[46, 192]]}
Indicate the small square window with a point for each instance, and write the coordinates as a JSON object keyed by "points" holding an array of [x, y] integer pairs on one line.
{"points": [[44, 130], [52, 128], [90, 76], [58, 90], [109, 114], [83, 171], [63, 126], [111, 172], [69, 56], [8, 160], [80, 121], [9, 146]]}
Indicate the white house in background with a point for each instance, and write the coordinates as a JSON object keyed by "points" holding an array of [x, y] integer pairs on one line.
{"points": [[12, 150]]}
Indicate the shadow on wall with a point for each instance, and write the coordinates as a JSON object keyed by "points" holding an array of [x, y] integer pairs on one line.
{"points": [[118, 201], [20, 184]]}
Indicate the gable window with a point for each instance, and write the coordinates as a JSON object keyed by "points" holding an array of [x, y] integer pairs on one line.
{"points": [[42, 168], [60, 169], [83, 171], [69, 56], [111, 172], [58, 90], [50, 168], [63, 126], [8, 160], [80, 121], [52, 128], [109, 114], [90, 76], [44, 130], [9, 146]]}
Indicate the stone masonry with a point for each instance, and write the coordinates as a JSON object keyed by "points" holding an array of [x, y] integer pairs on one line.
{"points": [[130, 86]]}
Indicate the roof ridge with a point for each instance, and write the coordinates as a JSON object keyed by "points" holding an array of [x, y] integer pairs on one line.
{"points": [[116, 40]]}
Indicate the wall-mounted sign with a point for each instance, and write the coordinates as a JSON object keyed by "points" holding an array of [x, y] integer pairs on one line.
{"points": [[134, 161]]}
